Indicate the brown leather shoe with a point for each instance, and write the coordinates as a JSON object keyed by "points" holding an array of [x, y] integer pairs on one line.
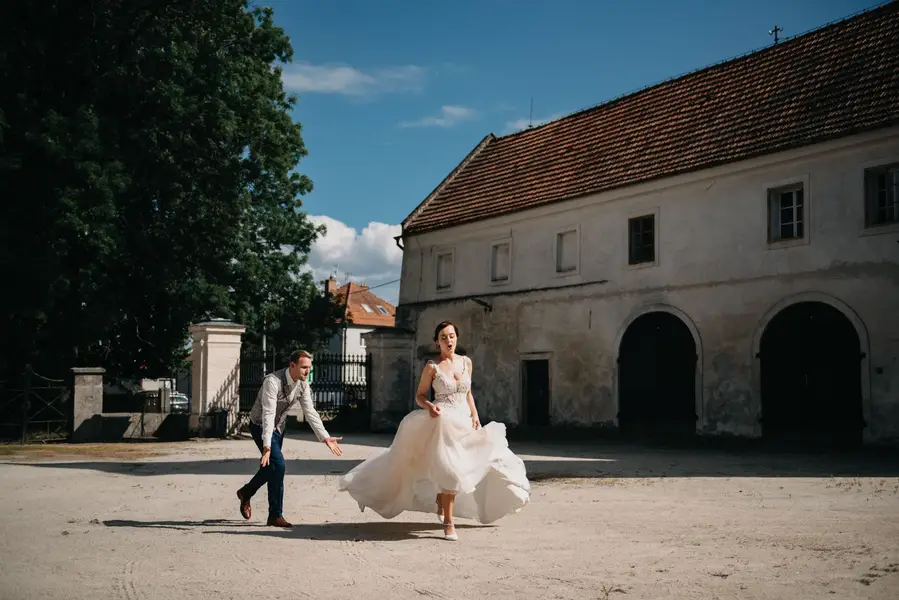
{"points": [[246, 511], [278, 522]]}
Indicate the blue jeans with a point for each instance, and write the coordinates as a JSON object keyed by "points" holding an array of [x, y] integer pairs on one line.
{"points": [[273, 474]]}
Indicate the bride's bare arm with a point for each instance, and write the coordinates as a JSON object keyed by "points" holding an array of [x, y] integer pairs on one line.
{"points": [[424, 385]]}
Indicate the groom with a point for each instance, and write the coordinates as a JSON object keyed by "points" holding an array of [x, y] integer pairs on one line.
{"points": [[280, 391]]}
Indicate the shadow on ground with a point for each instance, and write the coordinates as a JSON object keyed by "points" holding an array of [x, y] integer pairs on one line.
{"points": [[365, 531], [545, 461]]}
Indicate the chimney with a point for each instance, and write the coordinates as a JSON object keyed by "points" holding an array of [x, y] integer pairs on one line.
{"points": [[362, 286], [330, 285]]}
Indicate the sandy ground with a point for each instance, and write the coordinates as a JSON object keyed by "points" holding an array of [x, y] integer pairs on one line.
{"points": [[605, 521]]}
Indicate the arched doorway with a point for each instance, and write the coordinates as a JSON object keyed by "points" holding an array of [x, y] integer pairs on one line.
{"points": [[811, 386], [657, 377]]}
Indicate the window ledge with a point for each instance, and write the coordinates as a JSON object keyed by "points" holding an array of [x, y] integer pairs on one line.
{"points": [[643, 265], [803, 241], [879, 230]]}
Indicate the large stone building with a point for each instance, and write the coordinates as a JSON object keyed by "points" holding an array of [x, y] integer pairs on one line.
{"points": [[713, 254]]}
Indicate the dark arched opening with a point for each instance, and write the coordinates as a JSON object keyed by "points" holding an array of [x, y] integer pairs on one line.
{"points": [[657, 377], [811, 386]]}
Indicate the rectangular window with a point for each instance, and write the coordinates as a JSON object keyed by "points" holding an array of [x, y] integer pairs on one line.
{"points": [[566, 251], [786, 212], [445, 271], [641, 235], [500, 261], [882, 195], [367, 308], [383, 310]]}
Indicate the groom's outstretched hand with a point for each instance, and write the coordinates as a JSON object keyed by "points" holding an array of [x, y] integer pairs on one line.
{"points": [[333, 445]]}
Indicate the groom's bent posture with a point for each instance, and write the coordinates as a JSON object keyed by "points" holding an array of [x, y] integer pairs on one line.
{"points": [[279, 392]]}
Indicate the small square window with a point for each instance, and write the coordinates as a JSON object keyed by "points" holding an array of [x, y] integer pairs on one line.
{"points": [[882, 195], [367, 308], [445, 271], [786, 213], [641, 235], [566, 251], [500, 261], [383, 310]]}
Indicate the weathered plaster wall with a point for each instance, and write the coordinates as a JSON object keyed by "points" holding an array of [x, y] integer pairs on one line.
{"points": [[393, 394], [715, 268]]}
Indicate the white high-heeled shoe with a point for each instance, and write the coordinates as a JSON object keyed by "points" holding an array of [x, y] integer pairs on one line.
{"points": [[450, 536]]}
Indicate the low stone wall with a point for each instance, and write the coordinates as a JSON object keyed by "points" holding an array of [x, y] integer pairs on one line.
{"points": [[91, 424], [116, 427]]}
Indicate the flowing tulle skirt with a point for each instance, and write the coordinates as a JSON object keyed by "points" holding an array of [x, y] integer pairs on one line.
{"points": [[442, 454]]}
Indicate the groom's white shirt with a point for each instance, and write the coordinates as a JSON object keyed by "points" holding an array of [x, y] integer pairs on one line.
{"points": [[270, 409]]}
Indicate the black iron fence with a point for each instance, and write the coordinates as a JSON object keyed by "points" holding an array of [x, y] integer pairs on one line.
{"points": [[341, 382], [254, 365], [35, 408]]}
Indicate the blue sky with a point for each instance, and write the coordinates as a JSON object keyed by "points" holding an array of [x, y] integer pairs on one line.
{"points": [[392, 95]]}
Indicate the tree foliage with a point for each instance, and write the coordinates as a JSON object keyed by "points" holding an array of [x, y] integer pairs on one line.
{"points": [[148, 162]]}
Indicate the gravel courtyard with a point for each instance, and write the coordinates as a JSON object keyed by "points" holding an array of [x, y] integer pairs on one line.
{"points": [[147, 521]]}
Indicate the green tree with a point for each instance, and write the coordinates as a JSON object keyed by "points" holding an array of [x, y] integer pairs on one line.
{"points": [[148, 162]]}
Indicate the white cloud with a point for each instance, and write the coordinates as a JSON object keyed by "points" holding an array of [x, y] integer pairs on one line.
{"points": [[450, 115], [519, 124], [350, 81], [370, 256]]}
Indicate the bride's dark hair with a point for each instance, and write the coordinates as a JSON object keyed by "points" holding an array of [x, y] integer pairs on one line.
{"points": [[443, 325]]}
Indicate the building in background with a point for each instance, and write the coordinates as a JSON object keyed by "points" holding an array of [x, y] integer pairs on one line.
{"points": [[715, 254], [365, 311]]}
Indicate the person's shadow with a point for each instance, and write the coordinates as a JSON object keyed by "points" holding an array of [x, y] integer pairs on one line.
{"points": [[382, 531]]}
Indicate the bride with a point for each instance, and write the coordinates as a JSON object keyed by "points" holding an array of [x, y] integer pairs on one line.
{"points": [[443, 452]]}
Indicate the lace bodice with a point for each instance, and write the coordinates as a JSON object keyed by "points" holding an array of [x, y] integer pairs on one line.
{"points": [[448, 389]]}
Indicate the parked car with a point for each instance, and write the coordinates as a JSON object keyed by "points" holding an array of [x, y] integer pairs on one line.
{"points": [[179, 403]]}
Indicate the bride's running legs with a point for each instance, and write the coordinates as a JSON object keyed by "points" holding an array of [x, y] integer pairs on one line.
{"points": [[445, 503]]}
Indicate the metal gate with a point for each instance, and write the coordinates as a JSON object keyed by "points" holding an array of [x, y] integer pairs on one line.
{"points": [[254, 365], [35, 408], [340, 384]]}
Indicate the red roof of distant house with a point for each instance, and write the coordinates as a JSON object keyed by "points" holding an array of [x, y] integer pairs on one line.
{"points": [[364, 308], [839, 80]]}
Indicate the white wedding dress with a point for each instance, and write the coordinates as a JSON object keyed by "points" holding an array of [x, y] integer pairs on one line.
{"points": [[443, 454]]}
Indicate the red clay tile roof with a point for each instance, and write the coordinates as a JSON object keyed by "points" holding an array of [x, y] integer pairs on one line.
{"points": [[359, 294], [838, 80]]}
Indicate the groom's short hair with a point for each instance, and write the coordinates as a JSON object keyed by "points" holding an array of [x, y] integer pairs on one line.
{"points": [[296, 355]]}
